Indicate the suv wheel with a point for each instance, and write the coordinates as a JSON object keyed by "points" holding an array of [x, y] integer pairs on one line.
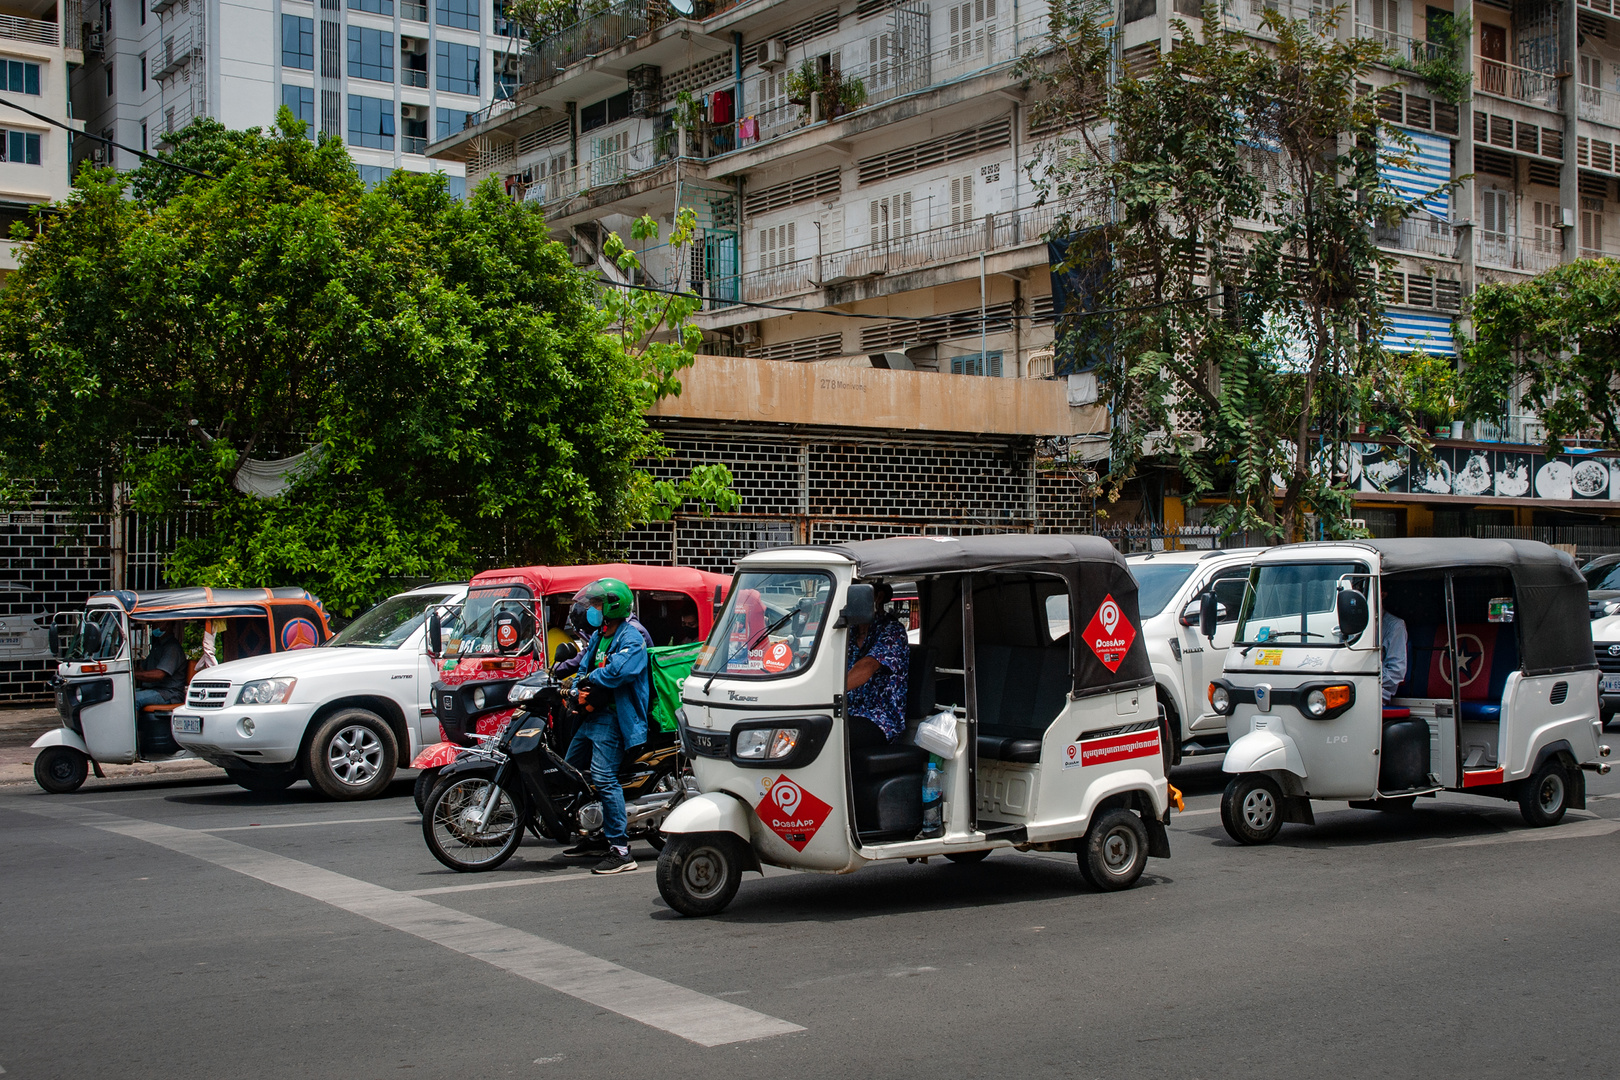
{"points": [[352, 755]]}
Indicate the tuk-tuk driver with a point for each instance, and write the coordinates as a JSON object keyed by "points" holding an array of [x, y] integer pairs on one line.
{"points": [[614, 665], [1392, 633], [878, 664], [163, 680]]}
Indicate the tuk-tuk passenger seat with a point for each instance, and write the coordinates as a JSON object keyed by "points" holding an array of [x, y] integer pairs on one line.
{"points": [[1021, 690], [1490, 655]]}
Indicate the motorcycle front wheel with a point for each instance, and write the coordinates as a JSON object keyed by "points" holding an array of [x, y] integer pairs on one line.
{"points": [[451, 828]]}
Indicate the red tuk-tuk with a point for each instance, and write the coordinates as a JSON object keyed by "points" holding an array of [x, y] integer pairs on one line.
{"points": [[512, 622]]}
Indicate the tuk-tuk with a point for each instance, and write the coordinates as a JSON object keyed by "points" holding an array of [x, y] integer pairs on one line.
{"points": [[1043, 739], [511, 624], [1495, 692], [101, 647]]}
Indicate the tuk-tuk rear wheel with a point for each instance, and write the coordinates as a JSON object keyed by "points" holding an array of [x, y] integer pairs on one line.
{"points": [[60, 769], [1115, 850], [1544, 797], [698, 873]]}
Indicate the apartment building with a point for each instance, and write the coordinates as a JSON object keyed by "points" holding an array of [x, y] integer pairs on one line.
{"points": [[387, 76], [38, 43]]}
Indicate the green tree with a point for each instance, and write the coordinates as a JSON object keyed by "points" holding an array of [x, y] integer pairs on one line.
{"points": [[1556, 338], [473, 397], [1224, 201]]}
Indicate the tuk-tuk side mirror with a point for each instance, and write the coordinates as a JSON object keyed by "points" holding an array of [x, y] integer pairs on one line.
{"points": [[1353, 614], [1209, 611], [90, 638], [53, 639], [435, 635], [719, 603], [860, 607]]}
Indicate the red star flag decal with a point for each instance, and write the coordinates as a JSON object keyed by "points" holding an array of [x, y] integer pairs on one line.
{"points": [[1110, 633]]}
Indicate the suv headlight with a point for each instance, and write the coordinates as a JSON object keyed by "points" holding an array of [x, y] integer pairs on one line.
{"points": [[766, 744], [266, 692]]}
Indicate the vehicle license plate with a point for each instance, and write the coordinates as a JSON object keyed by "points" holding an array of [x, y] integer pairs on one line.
{"points": [[1611, 684], [188, 725]]}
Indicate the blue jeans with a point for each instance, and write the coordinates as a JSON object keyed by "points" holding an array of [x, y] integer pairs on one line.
{"points": [[144, 698], [599, 744]]}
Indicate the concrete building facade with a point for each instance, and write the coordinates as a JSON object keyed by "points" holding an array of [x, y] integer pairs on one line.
{"points": [[39, 46]]}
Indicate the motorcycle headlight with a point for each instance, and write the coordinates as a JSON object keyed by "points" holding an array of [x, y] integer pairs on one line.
{"points": [[478, 697], [266, 692], [520, 692], [1220, 699], [766, 744]]}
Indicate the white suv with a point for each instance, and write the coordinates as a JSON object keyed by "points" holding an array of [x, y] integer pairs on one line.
{"points": [[1169, 586], [343, 716]]}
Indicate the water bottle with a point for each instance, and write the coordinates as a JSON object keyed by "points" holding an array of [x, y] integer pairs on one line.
{"points": [[933, 802]]}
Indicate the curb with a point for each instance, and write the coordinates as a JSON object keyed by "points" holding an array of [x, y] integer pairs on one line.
{"points": [[20, 774]]}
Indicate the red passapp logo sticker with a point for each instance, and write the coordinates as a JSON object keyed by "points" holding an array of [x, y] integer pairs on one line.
{"points": [[791, 812], [1110, 633]]}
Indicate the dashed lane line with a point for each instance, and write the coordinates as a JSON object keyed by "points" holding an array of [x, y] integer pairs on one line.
{"points": [[1574, 830], [309, 824], [696, 1017]]}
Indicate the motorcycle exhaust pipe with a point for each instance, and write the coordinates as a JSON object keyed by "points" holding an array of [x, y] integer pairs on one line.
{"points": [[650, 806]]}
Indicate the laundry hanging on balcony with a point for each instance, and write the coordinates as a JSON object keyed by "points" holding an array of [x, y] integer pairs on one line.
{"points": [[1428, 166], [268, 479], [1405, 333]]}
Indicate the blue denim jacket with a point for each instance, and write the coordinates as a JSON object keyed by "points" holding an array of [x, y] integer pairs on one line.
{"points": [[626, 675]]}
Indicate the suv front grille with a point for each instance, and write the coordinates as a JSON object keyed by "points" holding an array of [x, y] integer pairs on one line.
{"points": [[208, 695]]}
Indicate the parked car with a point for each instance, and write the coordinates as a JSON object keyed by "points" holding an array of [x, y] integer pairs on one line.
{"points": [[1169, 586], [343, 716], [1606, 643], [1602, 576]]}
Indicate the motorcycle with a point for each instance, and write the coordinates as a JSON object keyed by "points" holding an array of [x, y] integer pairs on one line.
{"points": [[476, 815]]}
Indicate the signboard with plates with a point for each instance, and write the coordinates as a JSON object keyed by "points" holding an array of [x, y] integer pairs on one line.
{"points": [[1508, 472]]}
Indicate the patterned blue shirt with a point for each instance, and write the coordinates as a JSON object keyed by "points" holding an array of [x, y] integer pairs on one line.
{"points": [[882, 698]]}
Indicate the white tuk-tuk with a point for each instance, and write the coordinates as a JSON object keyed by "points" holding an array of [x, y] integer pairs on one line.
{"points": [[1051, 738], [1497, 695]]}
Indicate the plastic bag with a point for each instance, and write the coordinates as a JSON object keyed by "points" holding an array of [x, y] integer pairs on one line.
{"points": [[937, 735]]}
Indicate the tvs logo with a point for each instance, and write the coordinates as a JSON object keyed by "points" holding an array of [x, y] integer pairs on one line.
{"points": [[791, 812], [1110, 634]]}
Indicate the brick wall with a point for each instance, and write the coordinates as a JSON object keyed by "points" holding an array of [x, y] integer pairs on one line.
{"points": [[48, 563]]}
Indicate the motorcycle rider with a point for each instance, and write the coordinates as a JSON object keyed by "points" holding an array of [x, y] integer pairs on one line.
{"points": [[615, 690]]}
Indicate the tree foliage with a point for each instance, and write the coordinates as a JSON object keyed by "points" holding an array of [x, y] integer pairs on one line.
{"points": [[1556, 340], [1224, 202], [474, 397]]}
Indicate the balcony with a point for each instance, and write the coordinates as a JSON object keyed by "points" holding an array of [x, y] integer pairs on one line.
{"points": [[1503, 251], [37, 31], [174, 55], [412, 77], [1424, 234], [414, 144], [1538, 88], [1249, 15], [413, 12], [1402, 50], [1598, 106], [598, 33]]}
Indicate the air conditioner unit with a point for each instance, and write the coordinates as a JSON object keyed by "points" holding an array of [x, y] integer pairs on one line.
{"points": [[417, 46], [93, 43], [413, 112], [98, 155], [509, 64], [771, 54], [747, 333]]}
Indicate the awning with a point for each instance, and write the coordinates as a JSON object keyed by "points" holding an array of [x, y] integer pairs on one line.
{"points": [[1409, 332]]}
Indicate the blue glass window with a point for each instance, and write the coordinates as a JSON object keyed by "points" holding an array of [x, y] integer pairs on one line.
{"points": [[371, 122], [458, 187], [371, 54], [505, 81], [451, 121], [462, 13], [22, 78], [20, 147], [372, 175], [297, 42], [301, 100], [458, 68], [376, 7]]}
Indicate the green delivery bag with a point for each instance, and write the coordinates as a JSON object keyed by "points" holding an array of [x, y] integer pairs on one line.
{"points": [[670, 665]]}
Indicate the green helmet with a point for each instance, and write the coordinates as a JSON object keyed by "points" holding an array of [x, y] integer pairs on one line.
{"points": [[611, 593]]}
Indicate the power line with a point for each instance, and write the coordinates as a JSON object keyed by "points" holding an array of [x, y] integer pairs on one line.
{"points": [[101, 139]]}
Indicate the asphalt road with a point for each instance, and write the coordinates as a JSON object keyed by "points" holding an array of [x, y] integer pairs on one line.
{"points": [[191, 929]]}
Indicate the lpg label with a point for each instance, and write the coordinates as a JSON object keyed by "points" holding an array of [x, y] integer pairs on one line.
{"points": [[1110, 634], [791, 812], [1114, 748]]}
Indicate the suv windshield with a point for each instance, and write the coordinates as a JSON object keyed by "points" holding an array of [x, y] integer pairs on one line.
{"points": [[770, 625], [474, 632], [1156, 583], [389, 624], [1606, 576], [100, 636], [1295, 603]]}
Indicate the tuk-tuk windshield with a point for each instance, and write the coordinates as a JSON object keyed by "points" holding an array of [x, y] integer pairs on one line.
{"points": [[473, 634], [1295, 603], [388, 625], [100, 636], [771, 624]]}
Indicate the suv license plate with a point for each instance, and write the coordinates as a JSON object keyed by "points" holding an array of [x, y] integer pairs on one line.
{"points": [[1611, 684], [188, 725]]}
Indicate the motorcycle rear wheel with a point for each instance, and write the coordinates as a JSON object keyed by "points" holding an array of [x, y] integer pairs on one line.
{"points": [[453, 839]]}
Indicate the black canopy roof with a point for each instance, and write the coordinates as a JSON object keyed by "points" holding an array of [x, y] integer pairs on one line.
{"points": [[204, 603], [923, 555]]}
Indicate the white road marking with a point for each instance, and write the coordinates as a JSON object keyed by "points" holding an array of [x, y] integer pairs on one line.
{"points": [[1191, 813], [511, 883], [696, 1017], [309, 824], [1574, 831]]}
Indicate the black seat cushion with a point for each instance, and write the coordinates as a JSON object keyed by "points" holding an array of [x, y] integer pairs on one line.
{"points": [[920, 682], [886, 760], [1005, 748]]}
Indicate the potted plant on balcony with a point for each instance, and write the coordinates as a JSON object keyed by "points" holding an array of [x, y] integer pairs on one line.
{"points": [[801, 82], [846, 95]]}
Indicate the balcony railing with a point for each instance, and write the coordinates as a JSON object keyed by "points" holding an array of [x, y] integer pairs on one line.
{"points": [[1423, 234], [1508, 252], [37, 31], [602, 170], [1599, 106], [1520, 84], [412, 77], [599, 33], [413, 12], [1402, 49], [1249, 15], [414, 144]]}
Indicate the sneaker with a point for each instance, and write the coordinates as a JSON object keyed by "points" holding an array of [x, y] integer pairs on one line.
{"points": [[617, 862], [588, 850]]}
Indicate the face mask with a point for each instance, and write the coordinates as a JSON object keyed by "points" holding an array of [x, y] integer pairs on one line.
{"points": [[594, 616]]}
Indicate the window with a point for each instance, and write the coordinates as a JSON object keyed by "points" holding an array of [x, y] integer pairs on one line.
{"points": [[451, 121], [462, 13], [606, 111], [962, 200], [109, 79], [1548, 236], [776, 246], [1294, 604], [458, 68], [20, 147], [371, 122], [504, 65], [143, 12], [610, 158], [297, 42], [144, 147], [1386, 22], [1591, 226], [371, 54], [973, 29], [770, 626], [413, 128], [978, 364], [1591, 79], [370, 175], [458, 187], [143, 73], [21, 77], [1228, 588], [376, 7], [1157, 584], [1496, 215], [890, 217], [301, 100], [772, 91]]}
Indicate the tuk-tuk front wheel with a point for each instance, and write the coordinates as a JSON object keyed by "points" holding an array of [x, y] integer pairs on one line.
{"points": [[1115, 850], [1251, 809], [1544, 797], [61, 769], [698, 873]]}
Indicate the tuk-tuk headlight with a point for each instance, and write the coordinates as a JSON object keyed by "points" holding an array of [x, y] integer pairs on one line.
{"points": [[1220, 699], [478, 697], [1316, 703], [266, 692], [766, 744]]}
